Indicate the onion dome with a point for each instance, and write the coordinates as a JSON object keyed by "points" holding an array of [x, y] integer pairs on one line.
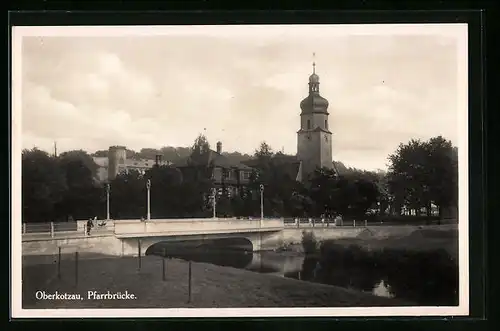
{"points": [[314, 103]]}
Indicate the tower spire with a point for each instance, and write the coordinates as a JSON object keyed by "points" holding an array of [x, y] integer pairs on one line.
{"points": [[314, 63], [55, 148]]}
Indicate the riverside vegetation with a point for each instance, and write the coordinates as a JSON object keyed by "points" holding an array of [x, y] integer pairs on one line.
{"points": [[423, 276]]}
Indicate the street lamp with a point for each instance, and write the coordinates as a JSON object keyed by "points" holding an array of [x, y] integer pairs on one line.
{"points": [[148, 186], [107, 201], [214, 192], [261, 202]]}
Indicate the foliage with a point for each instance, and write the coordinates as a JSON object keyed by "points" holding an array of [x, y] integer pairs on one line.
{"points": [[309, 242], [424, 172], [58, 188], [420, 173], [201, 146], [353, 266], [264, 151], [43, 185]]}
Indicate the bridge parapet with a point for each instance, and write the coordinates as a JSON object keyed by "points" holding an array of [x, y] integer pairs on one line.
{"points": [[134, 228]]}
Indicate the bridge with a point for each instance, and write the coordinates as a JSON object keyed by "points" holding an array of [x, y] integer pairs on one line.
{"points": [[134, 237]]}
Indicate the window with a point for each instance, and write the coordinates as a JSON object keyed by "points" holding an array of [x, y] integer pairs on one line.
{"points": [[227, 174], [326, 124], [217, 173], [308, 124], [246, 175]]}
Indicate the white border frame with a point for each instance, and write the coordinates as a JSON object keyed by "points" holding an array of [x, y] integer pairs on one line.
{"points": [[458, 31]]}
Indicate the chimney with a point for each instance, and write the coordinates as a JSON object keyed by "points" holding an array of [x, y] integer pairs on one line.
{"points": [[219, 147]]}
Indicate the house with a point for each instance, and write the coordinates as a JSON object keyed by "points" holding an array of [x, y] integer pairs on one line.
{"points": [[226, 175]]}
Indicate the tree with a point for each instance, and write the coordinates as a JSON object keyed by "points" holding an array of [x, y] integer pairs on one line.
{"points": [[128, 196], [408, 173], [365, 196], [165, 186], [424, 172], [323, 191], [350, 194], [83, 199], [201, 145], [43, 186], [264, 151], [79, 163], [443, 177], [101, 153]]}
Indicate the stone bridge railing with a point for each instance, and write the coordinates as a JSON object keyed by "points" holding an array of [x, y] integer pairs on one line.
{"points": [[174, 227], [54, 229], [320, 222]]}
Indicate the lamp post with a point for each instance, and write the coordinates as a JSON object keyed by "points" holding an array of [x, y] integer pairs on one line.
{"points": [[148, 186], [261, 202], [214, 192], [107, 201]]}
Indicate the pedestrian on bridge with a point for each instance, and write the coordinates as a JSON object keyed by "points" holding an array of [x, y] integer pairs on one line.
{"points": [[90, 225]]}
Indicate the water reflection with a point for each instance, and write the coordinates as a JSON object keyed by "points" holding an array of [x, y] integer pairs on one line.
{"points": [[234, 256], [425, 278]]}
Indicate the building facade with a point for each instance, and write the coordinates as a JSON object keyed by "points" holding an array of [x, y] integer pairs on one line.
{"points": [[228, 177], [117, 162]]}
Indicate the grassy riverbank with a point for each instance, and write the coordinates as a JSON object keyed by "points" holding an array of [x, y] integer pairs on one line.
{"points": [[212, 286], [419, 240]]}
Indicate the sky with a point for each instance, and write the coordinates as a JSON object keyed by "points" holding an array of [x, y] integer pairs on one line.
{"points": [[90, 88]]}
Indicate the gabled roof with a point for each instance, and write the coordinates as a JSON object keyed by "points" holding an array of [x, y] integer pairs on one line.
{"points": [[287, 164], [212, 158]]}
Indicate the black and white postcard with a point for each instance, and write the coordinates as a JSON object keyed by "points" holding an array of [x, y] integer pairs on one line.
{"points": [[243, 170]]}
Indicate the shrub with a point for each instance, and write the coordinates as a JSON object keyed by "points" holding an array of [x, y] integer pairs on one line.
{"points": [[309, 242], [423, 277]]}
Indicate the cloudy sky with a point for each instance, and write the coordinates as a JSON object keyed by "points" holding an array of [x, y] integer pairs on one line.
{"points": [[89, 88]]}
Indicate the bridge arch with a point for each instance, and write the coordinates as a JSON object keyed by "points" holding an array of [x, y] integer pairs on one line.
{"points": [[232, 252], [254, 235], [174, 245]]}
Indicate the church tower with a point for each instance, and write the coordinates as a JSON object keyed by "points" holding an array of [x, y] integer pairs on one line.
{"points": [[314, 139]]}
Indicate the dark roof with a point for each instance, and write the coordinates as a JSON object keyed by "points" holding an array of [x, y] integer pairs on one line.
{"points": [[288, 164], [211, 158], [314, 103]]}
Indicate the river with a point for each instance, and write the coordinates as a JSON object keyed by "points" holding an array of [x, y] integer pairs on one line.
{"points": [[409, 277]]}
